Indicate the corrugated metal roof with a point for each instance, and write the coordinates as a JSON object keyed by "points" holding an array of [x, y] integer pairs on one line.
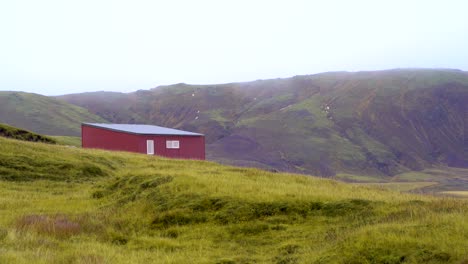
{"points": [[144, 129]]}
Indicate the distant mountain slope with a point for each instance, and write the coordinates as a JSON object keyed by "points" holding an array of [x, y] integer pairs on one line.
{"points": [[42, 114], [383, 122]]}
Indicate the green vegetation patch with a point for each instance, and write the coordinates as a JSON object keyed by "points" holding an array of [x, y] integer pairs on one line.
{"points": [[20, 162], [67, 140], [403, 186], [21, 134], [394, 245], [180, 208], [73, 205], [360, 178], [462, 194]]}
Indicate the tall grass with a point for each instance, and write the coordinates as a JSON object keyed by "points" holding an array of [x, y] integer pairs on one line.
{"points": [[69, 205], [67, 140]]}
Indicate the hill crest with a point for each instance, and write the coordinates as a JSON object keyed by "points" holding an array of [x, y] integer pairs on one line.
{"points": [[376, 123], [42, 114]]}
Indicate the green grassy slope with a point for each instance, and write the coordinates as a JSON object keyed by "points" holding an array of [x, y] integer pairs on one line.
{"points": [[68, 140], [21, 134], [42, 114], [373, 123], [70, 205]]}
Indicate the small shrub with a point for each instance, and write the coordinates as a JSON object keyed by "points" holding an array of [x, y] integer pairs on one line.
{"points": [[171, 233], [118, 239], [315, 206], [177, 217], [426, 255], [234, 211], [209, 204], [279, 227], [290, 249], [269, 209], [98, 194], [90, 170], [347, 207]]}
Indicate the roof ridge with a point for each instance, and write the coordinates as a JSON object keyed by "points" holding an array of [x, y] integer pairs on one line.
{"points": [[143, 129]]}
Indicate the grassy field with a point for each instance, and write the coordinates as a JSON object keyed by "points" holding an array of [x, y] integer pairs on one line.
{"points": [[360, 178], [401, 186], [436, 181], [463, 194], [70, 205], [67, 140], [449, 180]]}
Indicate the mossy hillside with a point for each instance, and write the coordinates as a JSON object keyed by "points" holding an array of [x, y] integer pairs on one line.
{"points": [[379, 123], [21, 134], [319, 148], [132, 208]]}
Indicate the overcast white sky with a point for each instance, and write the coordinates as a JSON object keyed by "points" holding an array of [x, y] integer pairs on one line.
{"points": [[56, 47]]}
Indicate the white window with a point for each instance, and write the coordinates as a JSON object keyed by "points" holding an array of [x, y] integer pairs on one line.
{"points": [[150, 147], [172, 144]]}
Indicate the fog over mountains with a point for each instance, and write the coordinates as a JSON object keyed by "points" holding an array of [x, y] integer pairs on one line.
{"points": [[382, 122]]}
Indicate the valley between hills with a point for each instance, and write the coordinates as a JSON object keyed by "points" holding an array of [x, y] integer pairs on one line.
{"points": [[403, 125], [393, 136]]}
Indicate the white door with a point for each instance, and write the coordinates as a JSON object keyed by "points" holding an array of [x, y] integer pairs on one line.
{"points": [[150, 147]]}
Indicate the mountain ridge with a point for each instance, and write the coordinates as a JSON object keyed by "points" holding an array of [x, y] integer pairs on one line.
{"points": [[378, 122]]}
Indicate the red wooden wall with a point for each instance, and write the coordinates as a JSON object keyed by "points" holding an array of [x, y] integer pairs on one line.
{"points": [[190, 147]]}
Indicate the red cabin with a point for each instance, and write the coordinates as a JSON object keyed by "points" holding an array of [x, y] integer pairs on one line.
{"points": [[147, 139]]}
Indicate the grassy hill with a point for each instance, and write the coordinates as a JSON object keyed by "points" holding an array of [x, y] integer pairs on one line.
{"points": [[21, 134], [42, 114], [69, 205], [67, 140], [25, 135], [374, 123]]}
